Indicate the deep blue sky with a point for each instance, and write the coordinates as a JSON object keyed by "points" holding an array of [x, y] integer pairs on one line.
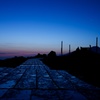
{"points": [[33, 26]]}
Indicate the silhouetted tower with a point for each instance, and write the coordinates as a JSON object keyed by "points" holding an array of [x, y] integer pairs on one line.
{"points": [[90, 47], [96, 44], [69, 48], [96, 41], [61, 47]]}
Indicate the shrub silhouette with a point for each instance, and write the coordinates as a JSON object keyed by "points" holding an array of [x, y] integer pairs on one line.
{"points": [[52, 54]]}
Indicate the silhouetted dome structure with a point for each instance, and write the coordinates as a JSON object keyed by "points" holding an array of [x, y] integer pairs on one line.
{"points": [[52, 54]]}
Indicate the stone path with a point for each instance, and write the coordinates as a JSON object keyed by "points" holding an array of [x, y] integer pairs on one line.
{"points": [[33, 80]]}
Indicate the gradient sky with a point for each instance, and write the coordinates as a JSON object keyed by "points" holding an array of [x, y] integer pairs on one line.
{"points": [[38, 26]]}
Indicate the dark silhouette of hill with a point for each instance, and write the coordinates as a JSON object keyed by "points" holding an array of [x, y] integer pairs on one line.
{"points": [[12, 62], [83, 63], [40, 55], [15, 61]]}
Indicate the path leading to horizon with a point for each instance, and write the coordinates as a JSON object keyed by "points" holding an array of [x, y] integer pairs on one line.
{"points": [[33, 80]]}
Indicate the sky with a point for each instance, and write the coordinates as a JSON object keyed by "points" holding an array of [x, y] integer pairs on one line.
{"points": [[28, 27]]}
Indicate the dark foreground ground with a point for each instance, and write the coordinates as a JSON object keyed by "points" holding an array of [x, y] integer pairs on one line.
{"points": [[33, 80], [83, 64], [12, 62]]}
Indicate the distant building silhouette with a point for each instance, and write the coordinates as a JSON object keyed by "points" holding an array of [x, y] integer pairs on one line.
{"points": [[84, 48], [95, 49]]}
